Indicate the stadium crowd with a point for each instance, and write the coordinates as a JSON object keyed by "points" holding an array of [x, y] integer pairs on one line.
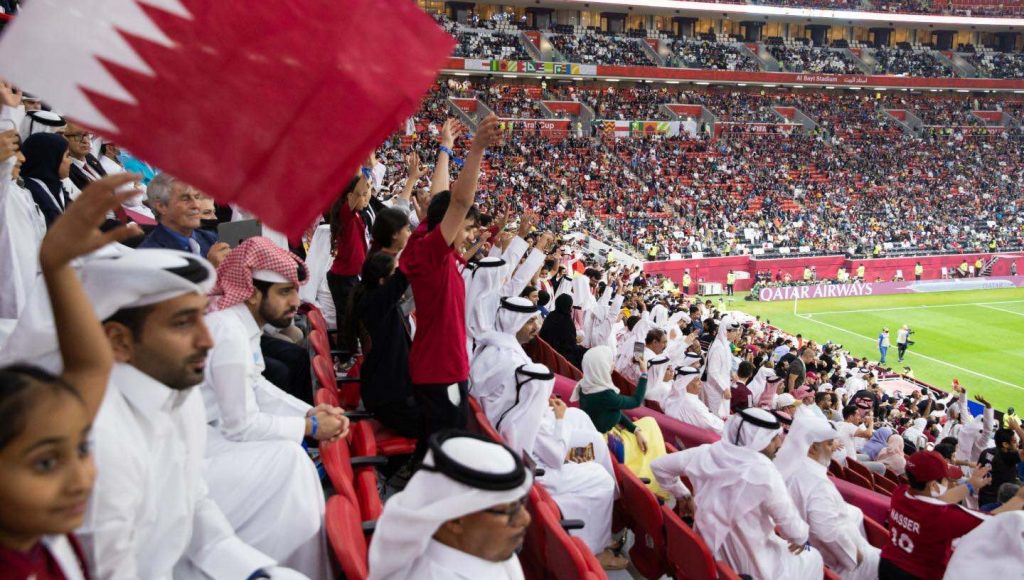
{"points": [[909, 62], [813, 59], [158, 417], [596, 48], [694, 53]]}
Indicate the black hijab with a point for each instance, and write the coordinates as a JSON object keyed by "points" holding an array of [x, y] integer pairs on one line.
{"points": [[559, 330], [44, 153]]}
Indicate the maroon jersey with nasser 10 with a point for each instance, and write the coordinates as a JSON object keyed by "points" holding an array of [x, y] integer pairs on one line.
{"points": [[922, 530]]}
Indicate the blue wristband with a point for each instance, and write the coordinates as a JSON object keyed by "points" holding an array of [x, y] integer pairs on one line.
{"points": [[970, 488], [259, 574], [458, 162], [315, 424]]}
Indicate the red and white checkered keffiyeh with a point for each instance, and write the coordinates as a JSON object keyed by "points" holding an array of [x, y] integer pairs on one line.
{"points": [[235, 274]]}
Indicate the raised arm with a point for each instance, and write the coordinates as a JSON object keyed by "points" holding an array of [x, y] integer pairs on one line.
{"points": [[84, 348], [441, 178], [464, 188]]}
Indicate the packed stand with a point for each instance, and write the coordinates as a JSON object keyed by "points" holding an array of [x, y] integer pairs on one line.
{"points": [[910, 63], [489, 45], [594, 48], [625, 103], [175, 432], [800, 58], [998, 65], [709, 55]]}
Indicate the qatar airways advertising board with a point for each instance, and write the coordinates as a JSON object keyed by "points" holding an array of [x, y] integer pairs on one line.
{"points": [[812, 291]]}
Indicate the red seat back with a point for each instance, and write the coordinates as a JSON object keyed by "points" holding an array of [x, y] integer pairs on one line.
{"points": [[323, 373], [320, 344], [642, 514], [876, 533], [325, 396], [533, 557], [688, 557], [564, 560], [317, 320], [830, 575], [858, 479], [345, 535], [859, 469], [725, 571]]}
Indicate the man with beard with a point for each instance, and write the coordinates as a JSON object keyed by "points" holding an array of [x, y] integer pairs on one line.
{"points": [[256, 468], [150, 515]]}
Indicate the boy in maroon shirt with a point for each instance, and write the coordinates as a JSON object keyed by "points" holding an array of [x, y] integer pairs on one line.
{"points": [[924, 518], [439, 360]]}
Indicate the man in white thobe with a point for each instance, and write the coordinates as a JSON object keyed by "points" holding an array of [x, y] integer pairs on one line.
{"points": [[499, 352], [741, 500], [257, 470], [564, 442], [718, 371], [462, 516], [150, 515], [837, 528], [685, 405]]}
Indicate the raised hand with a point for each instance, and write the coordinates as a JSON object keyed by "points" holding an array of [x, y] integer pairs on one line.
{"points": [[488, 133], [8, 96], [450, 131], [8, 144], [413, 167]]}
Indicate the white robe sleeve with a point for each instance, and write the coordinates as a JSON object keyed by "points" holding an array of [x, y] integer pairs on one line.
{"points": [[667, 469], [829, 529], [552, 444], [515, 251], [523, 274], [214, 547], [779, 505], [15, 115], [241, 414]]}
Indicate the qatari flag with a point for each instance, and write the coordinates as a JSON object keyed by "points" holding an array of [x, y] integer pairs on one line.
{"points": [[269, 105]]}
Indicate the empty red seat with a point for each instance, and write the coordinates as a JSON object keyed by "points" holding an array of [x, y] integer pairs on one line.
{"points": [[687, 556], [353, 473], [346, 536]]}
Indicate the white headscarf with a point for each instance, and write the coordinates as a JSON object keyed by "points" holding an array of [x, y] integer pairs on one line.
{"points": [[659, 315], [520, 423], [114, 278], [498, 353], [482, 296], [734, 476], [995, 549], [412, 516], [597, 373], [805, 431], [760, 381]]}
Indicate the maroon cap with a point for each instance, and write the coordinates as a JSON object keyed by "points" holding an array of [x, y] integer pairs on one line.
{"points": [[929, 466]]}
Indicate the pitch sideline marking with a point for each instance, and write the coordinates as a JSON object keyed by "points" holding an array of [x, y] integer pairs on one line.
{"points": [[918, 307], [942, 362], [1001, 309]]}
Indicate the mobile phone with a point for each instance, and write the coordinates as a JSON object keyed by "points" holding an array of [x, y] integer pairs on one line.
{"points": [[234, 233], [638, 348]]}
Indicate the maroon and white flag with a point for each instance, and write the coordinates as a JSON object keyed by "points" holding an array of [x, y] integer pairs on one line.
{"points": [[269, 105]]}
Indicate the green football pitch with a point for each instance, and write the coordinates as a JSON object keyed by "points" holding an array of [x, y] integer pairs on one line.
{"points": [[976, 337]]}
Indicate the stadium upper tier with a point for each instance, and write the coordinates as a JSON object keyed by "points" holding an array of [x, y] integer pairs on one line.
{"points": [[729, 171], [722, 52]]}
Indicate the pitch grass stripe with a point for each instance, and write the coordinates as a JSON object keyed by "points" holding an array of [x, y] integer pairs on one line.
{"points": [[920, 307], [1001, 309], [942, 362]]}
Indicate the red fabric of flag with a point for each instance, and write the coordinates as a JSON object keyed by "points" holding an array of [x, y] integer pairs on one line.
{"points": [[269, 105]]}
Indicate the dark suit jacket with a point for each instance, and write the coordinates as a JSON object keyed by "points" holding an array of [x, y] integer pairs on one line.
{"points": [[161, 237], [51, 210], [79, 177]]}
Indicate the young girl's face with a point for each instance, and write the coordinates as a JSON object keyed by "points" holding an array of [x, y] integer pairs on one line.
{"points": [[46, 472]]}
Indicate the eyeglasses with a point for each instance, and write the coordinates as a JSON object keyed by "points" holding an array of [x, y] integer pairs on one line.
{"points": [[510, 512], [77, 136]]}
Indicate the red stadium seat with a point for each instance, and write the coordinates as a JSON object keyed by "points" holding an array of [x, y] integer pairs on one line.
{"points": [[858, 479], [687, 555], [725, 571], [641, 513], [876, 533], [347, 538], [347, 392], [319, 343], [563, 556], [354, 476], [858, 468], [830, 575], [317, 320], [533, 557]]}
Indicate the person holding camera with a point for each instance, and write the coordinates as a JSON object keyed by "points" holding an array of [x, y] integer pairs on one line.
{"points": [[902, 341]]}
